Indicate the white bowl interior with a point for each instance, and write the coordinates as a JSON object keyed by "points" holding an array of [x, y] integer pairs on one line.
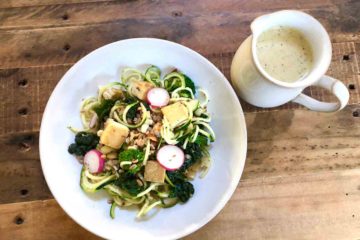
{"points": [[62, 171]]}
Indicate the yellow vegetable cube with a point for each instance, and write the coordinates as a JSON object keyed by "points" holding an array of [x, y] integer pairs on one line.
{"points": [[114, 134], [176, 114], [140, 89], [154, 172]]}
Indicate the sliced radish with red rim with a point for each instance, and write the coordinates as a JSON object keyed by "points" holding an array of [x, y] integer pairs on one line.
{"points": [[158, 97], [170, 157], [94, 161]]}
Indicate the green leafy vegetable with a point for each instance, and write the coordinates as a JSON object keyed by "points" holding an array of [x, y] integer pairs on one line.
{"points": [[176, 176], [84, 142], [131, 154], [202, 140], [183, 191], [128, 183], [189, 83], [103, 109], [146, 106], [132, 112], [195, 151]]}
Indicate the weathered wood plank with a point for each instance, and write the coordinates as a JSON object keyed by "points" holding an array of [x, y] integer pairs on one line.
{"points": [[27, 3], [100, 12], [302, 207], [293, 142], [280, 143], [21, 170], [25, 91], [38, 220], [222, 28], [286, 207]]}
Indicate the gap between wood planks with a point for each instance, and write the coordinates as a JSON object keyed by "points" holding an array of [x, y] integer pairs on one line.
{"points": [[311, 206]]}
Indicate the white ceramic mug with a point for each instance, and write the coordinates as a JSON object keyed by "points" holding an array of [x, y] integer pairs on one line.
{"points": [[256, 86]]}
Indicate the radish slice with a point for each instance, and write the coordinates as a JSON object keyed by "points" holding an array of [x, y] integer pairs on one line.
{"points": [[170, 157], [93, 161], [158, 97]]}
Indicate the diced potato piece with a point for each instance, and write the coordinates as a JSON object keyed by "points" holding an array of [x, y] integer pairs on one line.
{"points": [[140, 89], [154, 172], [114, 134], [176, 114]]}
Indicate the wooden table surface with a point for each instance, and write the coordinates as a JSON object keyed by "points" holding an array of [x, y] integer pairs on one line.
{"points": [[302, 173]]}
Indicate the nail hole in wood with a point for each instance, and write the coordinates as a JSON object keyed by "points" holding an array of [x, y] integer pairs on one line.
{"points": [[66, 47], [355, 114], [176, 13], [353, 215], [24, 147], [23, 82], [346, 57], [65, 17], [346, 194], [351, 86], [24, 192], [19, 220], [28, 138], [23, 111]]}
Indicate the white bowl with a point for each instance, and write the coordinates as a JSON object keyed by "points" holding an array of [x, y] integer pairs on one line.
{"points": [[62, 171]]}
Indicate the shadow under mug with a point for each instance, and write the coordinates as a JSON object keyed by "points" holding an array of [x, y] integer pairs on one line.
{"points": [[257, 87]]}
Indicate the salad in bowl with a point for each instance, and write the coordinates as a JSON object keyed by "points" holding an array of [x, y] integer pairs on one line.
{"points": [[144, 138]]}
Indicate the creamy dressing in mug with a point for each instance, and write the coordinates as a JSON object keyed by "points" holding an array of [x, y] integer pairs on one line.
{"points": [[284, 53]]}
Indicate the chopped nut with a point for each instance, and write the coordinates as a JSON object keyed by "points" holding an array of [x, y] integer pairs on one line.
{"points": [[139, 182], [156, 130], [152, 137], [99, 133], [132, 167], [156, 117]]}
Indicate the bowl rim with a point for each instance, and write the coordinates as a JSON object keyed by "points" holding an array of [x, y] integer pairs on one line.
{"points": [[243, 138]]}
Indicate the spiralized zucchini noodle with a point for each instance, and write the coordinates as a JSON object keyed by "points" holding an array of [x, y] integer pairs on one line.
{"points": [[124, 131]]}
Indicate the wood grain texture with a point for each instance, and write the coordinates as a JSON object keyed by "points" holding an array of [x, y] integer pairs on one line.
{"points": [[28, 89], [301, 178], [286, 207], [42, 16], [38, 220], [30, 3], [58, 41], [280, 143], [21, 170], [319, 206]]}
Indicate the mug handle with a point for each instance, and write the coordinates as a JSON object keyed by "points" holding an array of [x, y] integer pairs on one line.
{"points": [[335, 86]]}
